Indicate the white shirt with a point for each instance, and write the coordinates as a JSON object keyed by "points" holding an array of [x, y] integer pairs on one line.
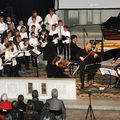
{"points": [[3, 27], [50, 20], [55, 40], [23, 35], [33, 42], [37, 29], [14, 55], [1, 48], [1, 66], [38, 19], [21, 49], [8, 54], [19, 27], [66, 34], [60, 31]]}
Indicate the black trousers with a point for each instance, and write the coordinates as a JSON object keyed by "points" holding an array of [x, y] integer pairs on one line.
{"points": [[60, 47], [8, 70], [0, 73], [20, 61], [15, 71], [27, 62], [66, 51]]}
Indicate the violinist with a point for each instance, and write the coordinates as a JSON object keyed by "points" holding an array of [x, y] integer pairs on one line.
{"points": [[86, 56], [57, 67]]}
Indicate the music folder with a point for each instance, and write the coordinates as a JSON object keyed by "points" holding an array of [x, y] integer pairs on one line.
{"points": [[55, 35], [2, 54]]}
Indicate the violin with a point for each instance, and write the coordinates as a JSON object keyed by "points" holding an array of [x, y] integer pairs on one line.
{"points": [[91, 53], [64, 63]]}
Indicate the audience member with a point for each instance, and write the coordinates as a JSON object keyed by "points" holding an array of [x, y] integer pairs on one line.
{"points": [[57, 106], [14, 114], [46, 114], [38, 105], [30, 113], [5, 106], [20, 103]]}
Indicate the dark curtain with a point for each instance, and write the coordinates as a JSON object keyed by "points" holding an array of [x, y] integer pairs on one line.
{"points": [[21, 9]]}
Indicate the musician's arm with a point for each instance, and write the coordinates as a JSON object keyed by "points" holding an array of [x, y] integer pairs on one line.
{"points": [[116, 57]]}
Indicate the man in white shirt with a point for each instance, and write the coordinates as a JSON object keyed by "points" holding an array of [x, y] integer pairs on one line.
{"points": [[50, 19], [60, 29], [38, 28], [3, 26], [33, 41], [66, 42], [38, 18]]}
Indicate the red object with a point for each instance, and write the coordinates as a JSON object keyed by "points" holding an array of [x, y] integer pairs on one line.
{"points": [[5, 105], [2, 117]]}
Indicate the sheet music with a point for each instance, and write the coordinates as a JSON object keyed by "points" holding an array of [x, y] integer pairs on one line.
{"points": [[36, 51], [108, 71]]}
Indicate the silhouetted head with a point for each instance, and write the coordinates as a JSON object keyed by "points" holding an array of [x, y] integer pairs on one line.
{"points": [[35, 94], [20, 97], [30, 106], [54, 93], [46, 106]]}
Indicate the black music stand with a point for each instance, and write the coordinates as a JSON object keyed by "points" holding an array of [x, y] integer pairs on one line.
{"points": [[92, 69], [110, 72], [35, 53], [90, 110]]}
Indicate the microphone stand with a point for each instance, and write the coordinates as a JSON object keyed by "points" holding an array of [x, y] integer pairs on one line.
{"points": [[90, 110]]}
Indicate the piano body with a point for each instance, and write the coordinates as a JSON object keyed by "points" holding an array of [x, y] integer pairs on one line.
{"points": [[111, 37]]}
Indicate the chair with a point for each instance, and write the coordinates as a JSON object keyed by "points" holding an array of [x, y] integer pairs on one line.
{"points": [[72, 66]]}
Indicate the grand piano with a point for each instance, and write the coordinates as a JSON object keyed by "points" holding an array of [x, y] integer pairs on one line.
{"points": [[111, 37]]}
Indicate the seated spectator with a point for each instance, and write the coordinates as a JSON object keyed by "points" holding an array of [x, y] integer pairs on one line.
{"points": [[46, 114], [21, 104], [57, 106], [38, 105], [30, 114], [5, 106], [14, 114]]}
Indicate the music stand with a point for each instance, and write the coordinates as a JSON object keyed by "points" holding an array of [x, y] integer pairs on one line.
{"points": [[35, 53], [92, 69], [90, 110], [107, 71]]}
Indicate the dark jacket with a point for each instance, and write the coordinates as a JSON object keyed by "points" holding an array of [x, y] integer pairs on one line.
{"points": [[47, 114], [38, 105]]}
